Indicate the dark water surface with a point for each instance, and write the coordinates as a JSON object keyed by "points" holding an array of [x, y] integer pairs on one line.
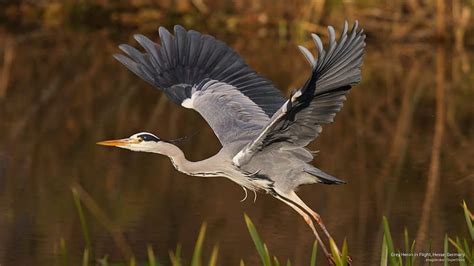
{"points": [[66, 92]]}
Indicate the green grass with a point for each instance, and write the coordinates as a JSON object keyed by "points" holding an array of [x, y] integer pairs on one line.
{"points": [[464, 246]]}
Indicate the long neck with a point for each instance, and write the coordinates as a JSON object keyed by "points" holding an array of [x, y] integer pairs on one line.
{"points": [[177, 157]]}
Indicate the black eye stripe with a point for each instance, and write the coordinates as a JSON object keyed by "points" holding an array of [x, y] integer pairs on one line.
{"points": [[148, 137]]}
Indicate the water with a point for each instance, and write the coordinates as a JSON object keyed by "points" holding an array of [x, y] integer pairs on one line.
{"points": [[66, 92]]}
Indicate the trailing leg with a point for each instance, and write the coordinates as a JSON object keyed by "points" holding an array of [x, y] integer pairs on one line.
{"points": [[308, 221], [292, 195]]}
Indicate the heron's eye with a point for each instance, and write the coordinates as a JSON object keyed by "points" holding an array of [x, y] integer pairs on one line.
{"points": [[147, 137]]}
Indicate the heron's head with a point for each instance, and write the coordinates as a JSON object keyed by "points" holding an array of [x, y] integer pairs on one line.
{"points": [[143, 141]]}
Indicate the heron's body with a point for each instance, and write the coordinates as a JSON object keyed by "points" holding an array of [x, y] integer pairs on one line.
{"points": [[263, 135], [286, 173]]}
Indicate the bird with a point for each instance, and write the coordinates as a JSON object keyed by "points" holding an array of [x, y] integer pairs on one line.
{"points": [[263, 134]]}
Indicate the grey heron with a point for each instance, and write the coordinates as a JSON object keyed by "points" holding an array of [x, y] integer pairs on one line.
{"points": [[263, 135]]}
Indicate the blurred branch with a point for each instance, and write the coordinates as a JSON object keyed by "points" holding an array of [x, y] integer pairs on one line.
{"points": [[400, 20], [8, 55], [108, 224], [201, 6], [433, 174]]}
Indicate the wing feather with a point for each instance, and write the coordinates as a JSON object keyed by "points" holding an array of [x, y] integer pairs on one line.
{"points": [[299, 121], [189, 65]]}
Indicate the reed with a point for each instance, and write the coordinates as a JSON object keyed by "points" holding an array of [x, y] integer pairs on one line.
{"points": [[390, 254]]}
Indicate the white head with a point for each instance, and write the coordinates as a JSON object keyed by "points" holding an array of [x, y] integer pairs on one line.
{"points": [[142, 141]]}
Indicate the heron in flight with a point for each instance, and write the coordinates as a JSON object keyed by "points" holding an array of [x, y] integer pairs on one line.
{"points": [[263, 135]]}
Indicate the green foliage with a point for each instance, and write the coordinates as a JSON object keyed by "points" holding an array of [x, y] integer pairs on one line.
{"points": [[151, 257], [409, 261], [85, 257], [261, 248], [82, 218], [314, 253], [63, 252], [341, 257], [196, 260], [214, 255], [465, 246], [389, 243], [265, 256], [175, 257], [388, 248], [469, 217], [384, 255], [462, 246]]}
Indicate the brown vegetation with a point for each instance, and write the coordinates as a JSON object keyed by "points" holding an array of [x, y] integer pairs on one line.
{"points": [[64, 92]]}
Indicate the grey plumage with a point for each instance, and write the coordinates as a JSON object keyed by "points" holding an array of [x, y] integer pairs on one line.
{"points": [[263, 136], [187, 58], [299, 120], [233, 117]]}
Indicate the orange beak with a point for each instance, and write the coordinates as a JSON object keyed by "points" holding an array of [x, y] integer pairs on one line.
{"points": [[118, 142]]}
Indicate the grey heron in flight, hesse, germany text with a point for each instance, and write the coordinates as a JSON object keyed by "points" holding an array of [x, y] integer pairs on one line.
{"points": [[263, 135]]}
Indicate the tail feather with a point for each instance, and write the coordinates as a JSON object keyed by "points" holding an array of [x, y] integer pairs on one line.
{"points": [[323, 177]]}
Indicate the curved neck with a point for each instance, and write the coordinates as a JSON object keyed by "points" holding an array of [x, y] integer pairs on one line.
{"points": [[176, 156]]}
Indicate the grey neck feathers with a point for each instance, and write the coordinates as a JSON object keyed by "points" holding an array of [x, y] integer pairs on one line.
{"points": [[176, 156]]}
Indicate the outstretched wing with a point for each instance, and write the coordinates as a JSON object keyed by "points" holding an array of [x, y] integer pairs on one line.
{"points": [[299, 120], [202, 73]]}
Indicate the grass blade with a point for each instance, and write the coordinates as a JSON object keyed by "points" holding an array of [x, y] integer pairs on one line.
{"points": [[412, 251], [430, 263], [314, 254], [242, 263], [214, 255], [336, 254], [84, 199], [175, 257], [82, 218], [104, 261], [446, 249], [151, 256], [267, 254], [407, 240], [466, 248], [276, 262], [63, 252], [85, 257], [178, 252], [468, 216], [196, 260], [258, 242], [384, 253], [345, 253], [458, 246], [389, 241]]}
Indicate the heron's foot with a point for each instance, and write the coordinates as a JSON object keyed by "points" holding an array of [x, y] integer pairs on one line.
{"points": [[349, 260], [331, 261]]}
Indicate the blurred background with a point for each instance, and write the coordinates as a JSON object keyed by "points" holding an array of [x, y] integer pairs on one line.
{"points": [[404, 141]]}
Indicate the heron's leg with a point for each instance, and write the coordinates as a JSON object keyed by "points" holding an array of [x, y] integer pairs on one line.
{"points": [[292, 195], [308, 220]]}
